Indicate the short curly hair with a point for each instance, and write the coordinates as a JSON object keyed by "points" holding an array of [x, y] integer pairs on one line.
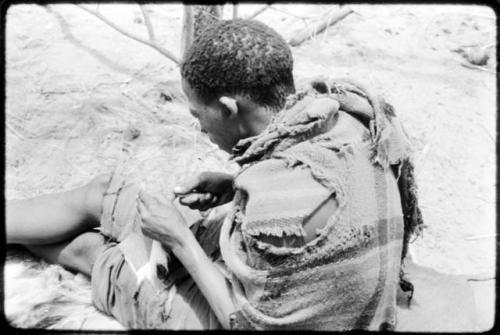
{"points": [[240, 57]]}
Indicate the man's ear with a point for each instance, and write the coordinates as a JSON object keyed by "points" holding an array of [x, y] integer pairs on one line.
{"points": [[230, 106]]}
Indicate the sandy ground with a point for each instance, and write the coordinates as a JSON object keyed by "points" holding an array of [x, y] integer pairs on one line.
{"points": [[77, 90]]}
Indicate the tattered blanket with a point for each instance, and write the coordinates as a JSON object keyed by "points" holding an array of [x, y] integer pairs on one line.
{"points": [[333, 140]]}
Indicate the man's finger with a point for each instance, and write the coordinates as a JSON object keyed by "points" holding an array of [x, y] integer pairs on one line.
{"points": [[147, 198], [207, 197], [140, 199], [187, 186], [190, 198], [141, 207], [207, 204]]}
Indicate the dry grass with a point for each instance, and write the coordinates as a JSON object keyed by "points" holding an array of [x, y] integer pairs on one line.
{"points": [[154, 145], [75, 101], [39, 295]]}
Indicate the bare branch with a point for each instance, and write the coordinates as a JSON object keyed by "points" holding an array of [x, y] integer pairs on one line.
{"points": [[258, 12], [235, 11], [158, 48], [477, 237], [219, 9], [490, 45], [290, 14], [149, 26], [302, 36], [487, 132], [187, 29], [476, 67], [16, 133]]}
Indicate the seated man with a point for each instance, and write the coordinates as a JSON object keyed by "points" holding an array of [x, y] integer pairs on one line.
{"points": [[315, 235]]}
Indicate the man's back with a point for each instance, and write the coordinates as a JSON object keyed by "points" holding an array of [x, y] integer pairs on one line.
{"points": [[346, 275]]}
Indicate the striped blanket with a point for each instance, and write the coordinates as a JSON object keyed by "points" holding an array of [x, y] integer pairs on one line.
{"points": [[338, 144]]}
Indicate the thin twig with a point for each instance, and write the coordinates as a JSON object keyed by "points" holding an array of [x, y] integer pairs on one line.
{"points": [[15, 132], [478, 237], [484, 278], [483, 16], [423, 154], [218, 12], [154, 113], [476, 67], [22, 62], [258, 12], [235, 11], [11, 115], [158, 48], [187, 28], [472, 45], [468, 196], [149, 26], [487, 132], [487, 46], [288, 13], [330, 20]]}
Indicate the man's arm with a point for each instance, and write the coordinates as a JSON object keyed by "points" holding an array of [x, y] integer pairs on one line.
{"points": [[207, 276], [163, 222], [56, 217]]}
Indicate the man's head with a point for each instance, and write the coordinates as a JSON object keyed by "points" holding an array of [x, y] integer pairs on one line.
{"points": [[236, 74]]}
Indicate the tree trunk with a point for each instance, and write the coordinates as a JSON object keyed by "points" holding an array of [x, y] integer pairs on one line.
{"points": [[196, 19]]}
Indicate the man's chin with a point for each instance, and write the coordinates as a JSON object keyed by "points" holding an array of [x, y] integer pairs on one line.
{"points": [[226, 148], [223, 146]]}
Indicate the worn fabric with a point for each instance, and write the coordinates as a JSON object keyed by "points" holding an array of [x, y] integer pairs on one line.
{"points": [[334, 140], [178, 305], [347, 277], [390, 144], [119, 208], [273, 188], [170, 300]]}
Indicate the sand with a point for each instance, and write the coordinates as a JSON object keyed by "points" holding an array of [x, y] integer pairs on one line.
{"points": [[77, 92]]}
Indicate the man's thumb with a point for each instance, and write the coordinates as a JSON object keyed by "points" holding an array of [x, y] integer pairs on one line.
{"points": [[187, 186]]}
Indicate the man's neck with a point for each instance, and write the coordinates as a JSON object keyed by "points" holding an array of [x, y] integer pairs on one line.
{"points": [[255, 118]]}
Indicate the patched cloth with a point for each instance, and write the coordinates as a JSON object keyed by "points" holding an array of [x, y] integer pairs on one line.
{"points": [[179, 304], [333, 141], [172, 300]]}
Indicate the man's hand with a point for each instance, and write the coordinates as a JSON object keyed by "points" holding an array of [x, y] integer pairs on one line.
{"points": [[161, 221], [207, 190]]}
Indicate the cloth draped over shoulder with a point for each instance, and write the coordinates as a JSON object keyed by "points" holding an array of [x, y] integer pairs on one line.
{"points": [[334, 139]]}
